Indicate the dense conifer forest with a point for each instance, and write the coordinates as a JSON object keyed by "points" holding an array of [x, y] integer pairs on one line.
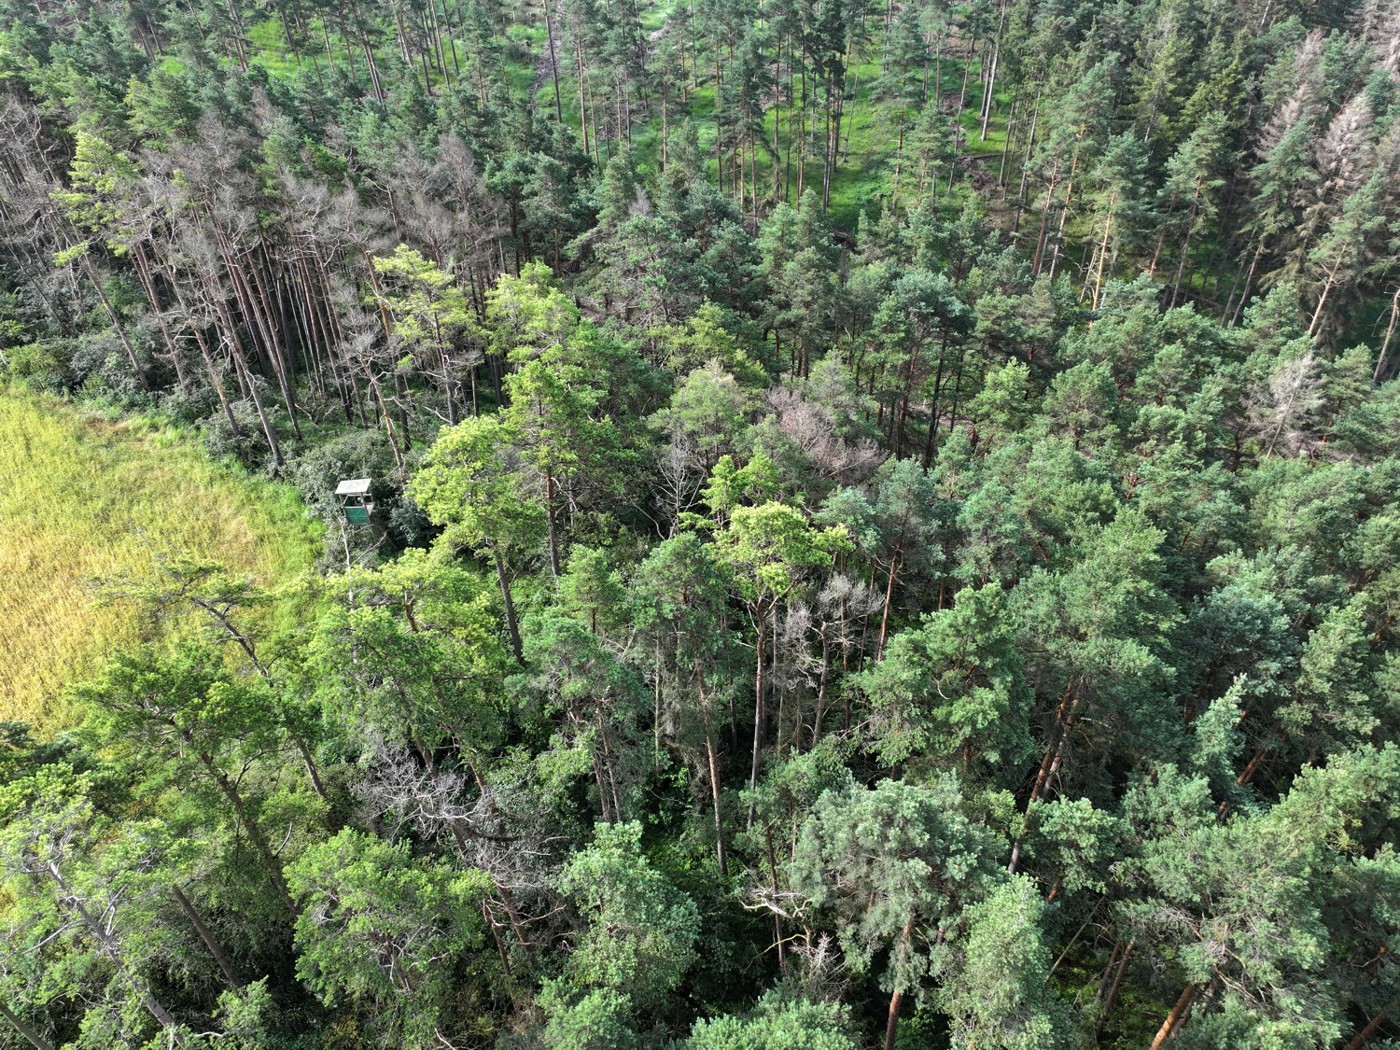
{"points": [[885, 524]]}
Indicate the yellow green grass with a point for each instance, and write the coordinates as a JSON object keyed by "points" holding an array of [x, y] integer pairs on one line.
{"points": [[84, 499]]}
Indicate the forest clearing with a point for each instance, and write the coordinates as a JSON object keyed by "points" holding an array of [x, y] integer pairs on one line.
{"points": [[87, 499]]}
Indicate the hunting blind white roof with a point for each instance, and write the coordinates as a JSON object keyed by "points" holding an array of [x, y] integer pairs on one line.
{"points": [[353, 487]]}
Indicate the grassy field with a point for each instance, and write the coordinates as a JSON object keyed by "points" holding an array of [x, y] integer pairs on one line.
{"points": [[83, 499]]}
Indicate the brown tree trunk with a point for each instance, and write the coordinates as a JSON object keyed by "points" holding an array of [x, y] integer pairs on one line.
{"points": [[757, 707], [112, 950], [383, 410], [989, 96], [1112, 996], [553, 63], [713, 763], [1044, 224], [208, 938], [1372, 1027], [116, 325], [1025, 171], [511, 625], [268, 432], [1315, 325], [255, 834], [551, 517], [211, 366], [1247, 774], [30, 1035], [608, 762], [1099, 263], [892, 1021], [897, 996], [889, 597], [148, 285], [1248, 284], [1050, 763], [1185, 247], [1177, 1017]]}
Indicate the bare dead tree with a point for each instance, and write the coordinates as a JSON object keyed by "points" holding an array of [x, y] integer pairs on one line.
{"points": [[813, 429]]}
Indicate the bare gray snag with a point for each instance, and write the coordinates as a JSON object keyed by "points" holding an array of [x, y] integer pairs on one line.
{"points": [[1281, 413]]}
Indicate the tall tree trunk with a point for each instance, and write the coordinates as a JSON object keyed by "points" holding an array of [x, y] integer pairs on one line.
{"points": [[1384, 354], [608, 762], [1044, 223], [281, 363], [1064, 215], [384, 415], [895, 558], [1025, 171], [200, 928], [211, 366], [1102, 259], [32, 1037], [582, 99], [148, 285], [713, 763], [511, 625], [1185, 247], [757, 706], [897, 996], [1372, 1027], [553, 59], [1112, 996], [112, 950], [1050, 763], [116, 325], [1248, 284], [989, 96], [931, 440], [268, 431], [1315, 325], [1177, 1017], [255, 834]]}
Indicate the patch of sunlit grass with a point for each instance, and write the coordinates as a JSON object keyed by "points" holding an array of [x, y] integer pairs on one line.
{"points": [[83, 499]]}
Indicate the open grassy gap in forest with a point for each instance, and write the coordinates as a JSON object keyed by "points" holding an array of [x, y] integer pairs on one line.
{"points": [[86, 499]]}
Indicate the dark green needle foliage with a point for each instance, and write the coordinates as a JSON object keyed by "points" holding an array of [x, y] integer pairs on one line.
{"points": [[886, 524]]}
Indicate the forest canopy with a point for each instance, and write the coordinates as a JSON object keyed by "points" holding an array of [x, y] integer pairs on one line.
{"points": [[884, 524]]}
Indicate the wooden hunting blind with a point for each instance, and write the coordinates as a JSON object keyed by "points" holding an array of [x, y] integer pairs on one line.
{"points": [[355, 500]]}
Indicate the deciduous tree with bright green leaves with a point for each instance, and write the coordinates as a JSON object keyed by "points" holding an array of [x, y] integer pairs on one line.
{"points": [[467, 484]]}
